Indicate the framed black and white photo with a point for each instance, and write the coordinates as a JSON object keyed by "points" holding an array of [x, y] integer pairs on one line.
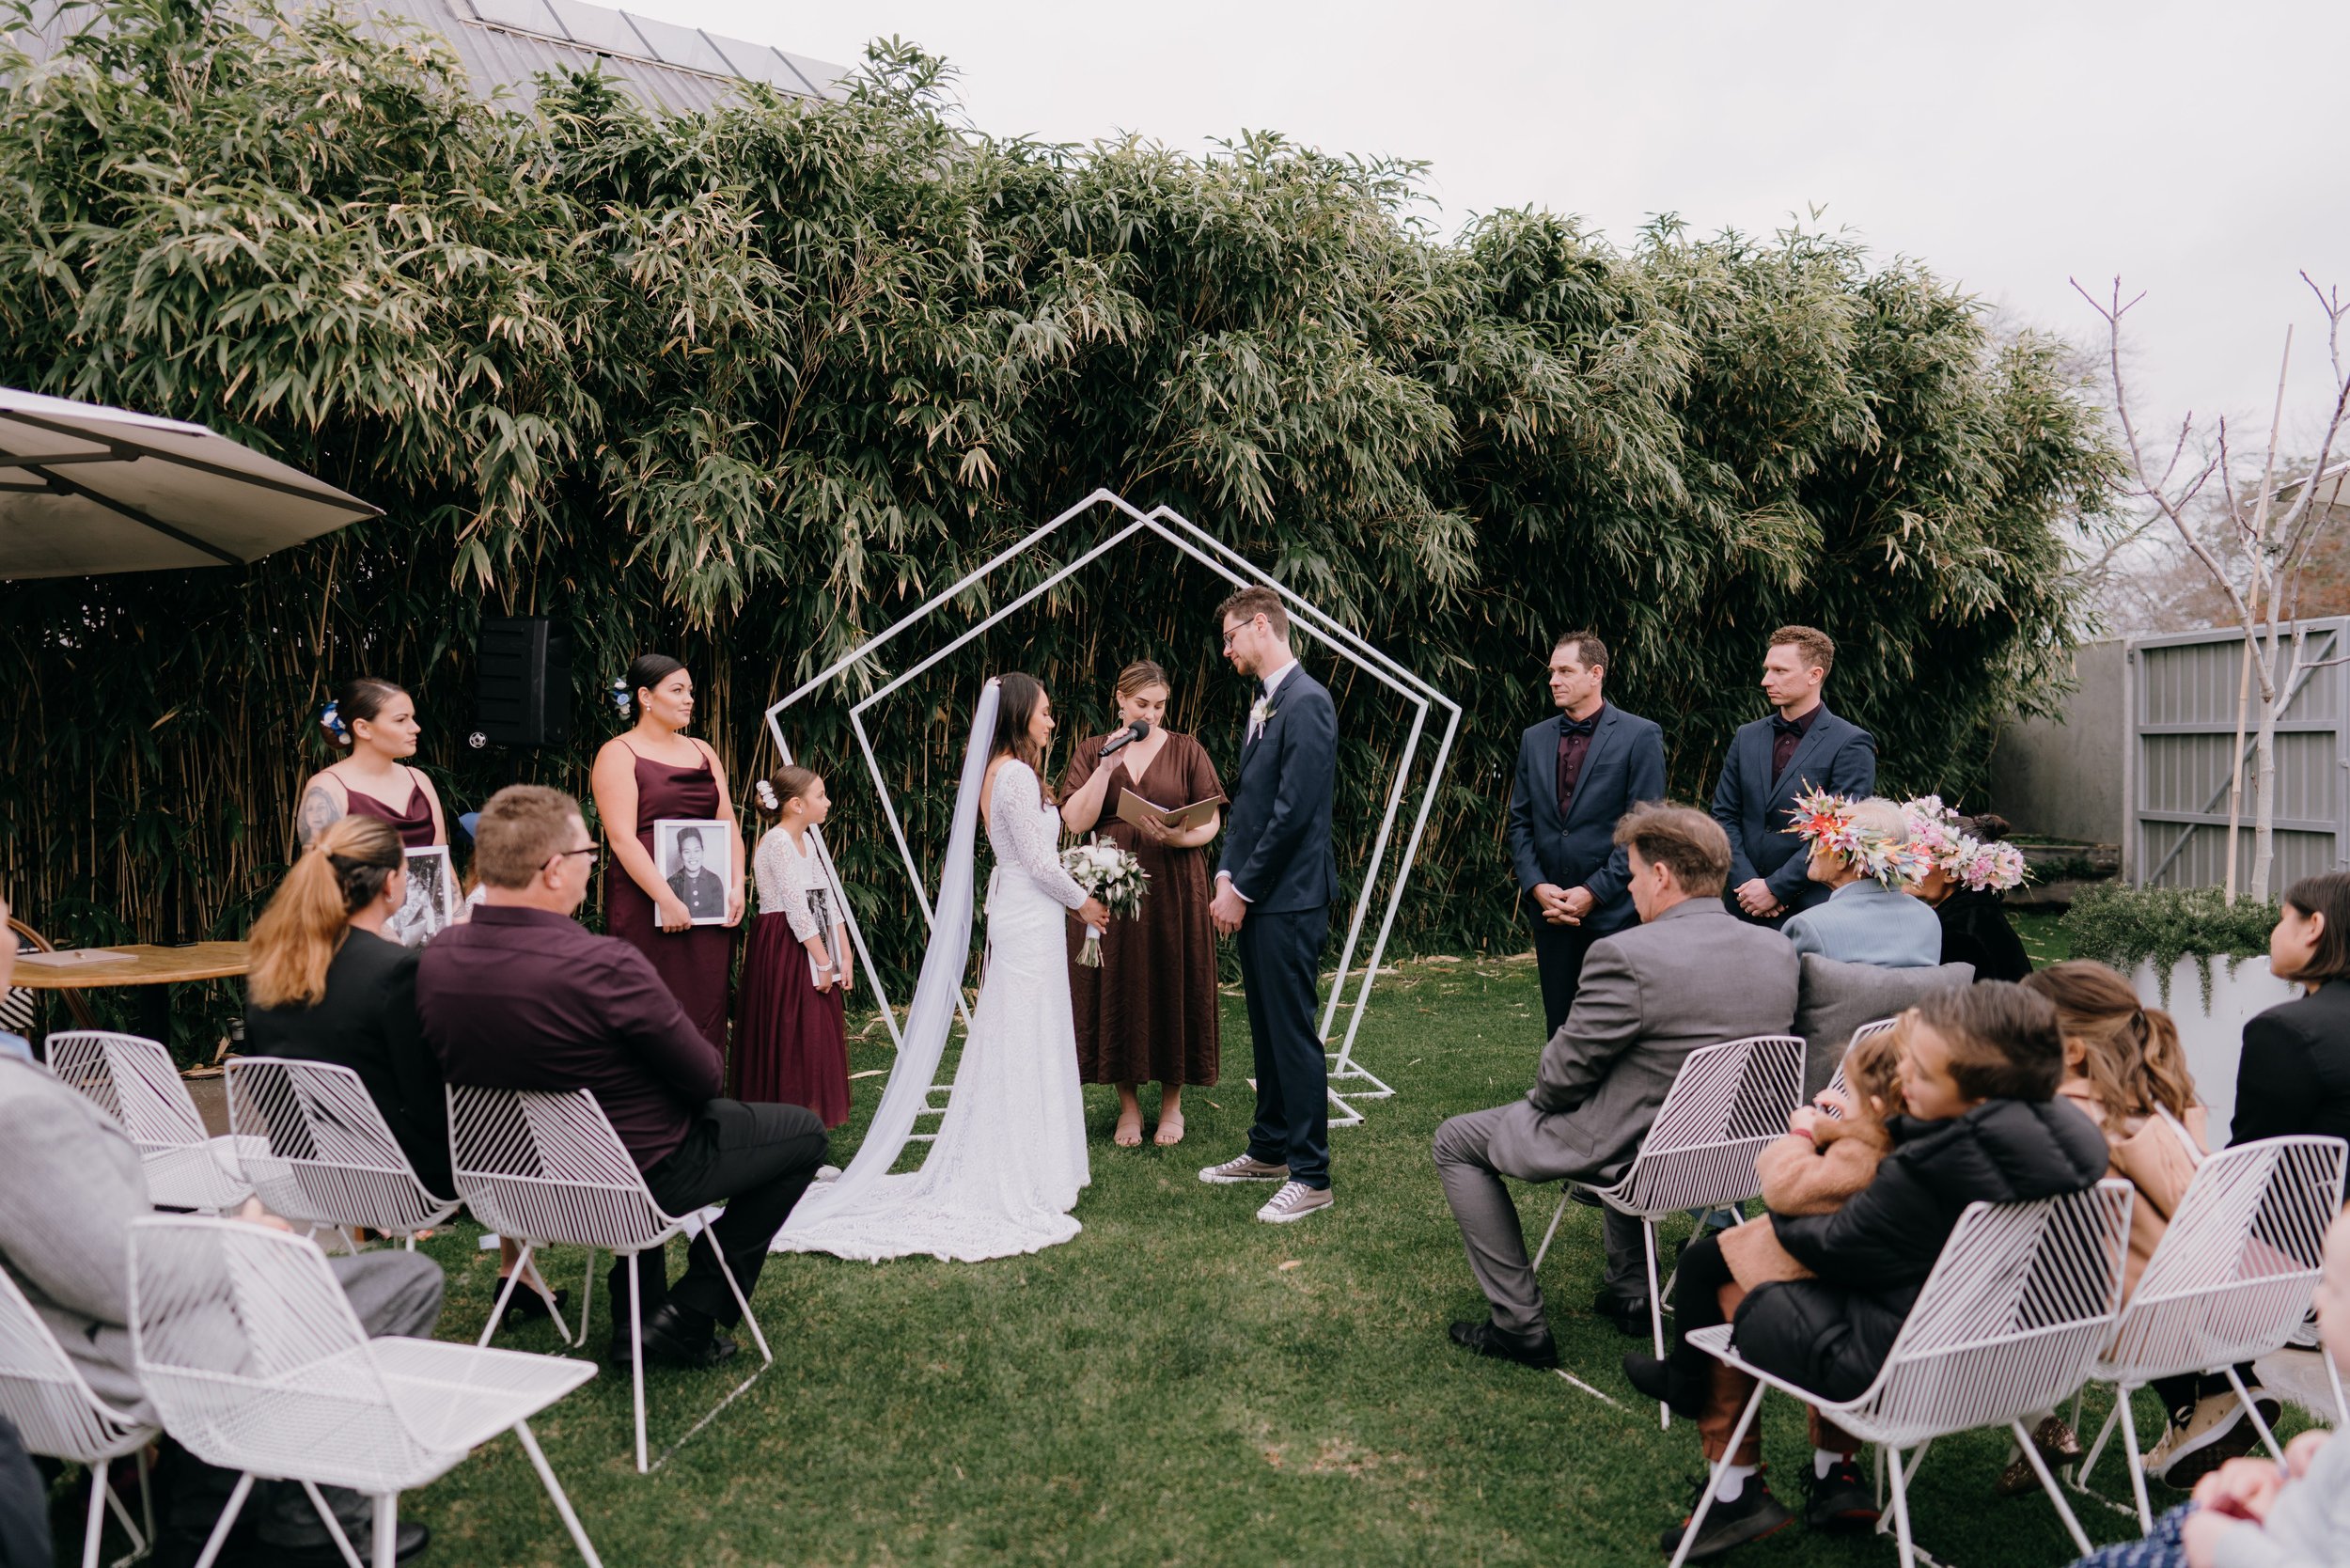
{"points": [[693, 857], [431, 905]]}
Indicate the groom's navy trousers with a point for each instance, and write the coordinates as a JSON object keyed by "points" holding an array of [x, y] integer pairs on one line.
{"points": [[1280, 963]]}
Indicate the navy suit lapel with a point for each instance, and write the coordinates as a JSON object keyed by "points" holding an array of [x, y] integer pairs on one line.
{"points": [[1542, 789], [1807, 751]]}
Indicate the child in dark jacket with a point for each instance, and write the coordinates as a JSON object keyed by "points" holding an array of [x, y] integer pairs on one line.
{"points": [[1980, 1068]]}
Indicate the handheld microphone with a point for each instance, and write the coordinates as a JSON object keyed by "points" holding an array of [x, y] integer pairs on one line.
{"points": [[1125, 738]]}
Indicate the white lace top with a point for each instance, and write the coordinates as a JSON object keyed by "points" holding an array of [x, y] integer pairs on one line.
{"points": [[793, 884], [1025, 833]]}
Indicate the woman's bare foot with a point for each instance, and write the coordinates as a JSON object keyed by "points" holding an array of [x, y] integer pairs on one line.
{"points": [[1170, 1131], [1129, 1133]]}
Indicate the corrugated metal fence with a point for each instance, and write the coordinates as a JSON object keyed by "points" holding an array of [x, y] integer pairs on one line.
{"points": [[2181, 696]]}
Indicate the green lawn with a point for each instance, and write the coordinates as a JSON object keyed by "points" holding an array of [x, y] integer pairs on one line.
{"points": [[1180, 1385]]}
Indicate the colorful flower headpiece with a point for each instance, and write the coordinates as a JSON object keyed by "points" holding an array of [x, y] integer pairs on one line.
{"points": [[1934, 831], [1828, 820]]}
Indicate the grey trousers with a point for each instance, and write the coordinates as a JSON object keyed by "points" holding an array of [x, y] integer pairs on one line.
{"points": [[1482, 1206], [392, 1293]]}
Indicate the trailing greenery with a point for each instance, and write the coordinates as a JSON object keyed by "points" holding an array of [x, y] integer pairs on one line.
{"points": [[749, 384], [2124, 927]]}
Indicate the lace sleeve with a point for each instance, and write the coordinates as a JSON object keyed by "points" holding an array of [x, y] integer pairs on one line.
{"points": [[1023, 835], [783, 881]]}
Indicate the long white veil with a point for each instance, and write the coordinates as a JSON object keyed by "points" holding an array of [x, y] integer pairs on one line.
{"points": [[932, 1014]]}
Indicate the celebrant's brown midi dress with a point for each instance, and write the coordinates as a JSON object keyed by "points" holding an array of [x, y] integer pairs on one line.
{"points": [[1149, 1013]]}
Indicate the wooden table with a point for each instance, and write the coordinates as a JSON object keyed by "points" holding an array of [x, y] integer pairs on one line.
{"points": [[140, 963]]}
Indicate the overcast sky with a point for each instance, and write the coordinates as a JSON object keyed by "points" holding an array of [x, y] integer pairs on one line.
{"points": [[2011, 146]]}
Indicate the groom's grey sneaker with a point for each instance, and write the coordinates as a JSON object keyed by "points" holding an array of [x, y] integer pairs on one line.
{"points": [[1244, 1169], [1295, 1200]]}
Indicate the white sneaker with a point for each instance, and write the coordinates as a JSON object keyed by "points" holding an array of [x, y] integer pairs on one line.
{"points": [[1244, 1169], [1295, 1200], [827, 1173], [2215, 1433]]}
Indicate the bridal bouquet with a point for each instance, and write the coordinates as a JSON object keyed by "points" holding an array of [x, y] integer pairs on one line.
{"points": [[1108, 874]]}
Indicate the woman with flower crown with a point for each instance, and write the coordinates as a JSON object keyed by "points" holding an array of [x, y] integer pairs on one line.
{"points": [[790, 1035], [1862, 852], [1970, 864]]}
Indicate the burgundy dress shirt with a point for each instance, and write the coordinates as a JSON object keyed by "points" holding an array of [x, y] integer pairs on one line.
{"points": [[1574, 742], [1787, 735], [522, 998]]}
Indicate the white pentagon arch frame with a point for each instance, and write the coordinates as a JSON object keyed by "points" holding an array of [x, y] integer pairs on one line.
{"points": [[1188, 537]]}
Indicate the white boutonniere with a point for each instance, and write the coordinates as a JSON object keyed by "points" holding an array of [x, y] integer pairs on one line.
{"points": [[1261, 713]]}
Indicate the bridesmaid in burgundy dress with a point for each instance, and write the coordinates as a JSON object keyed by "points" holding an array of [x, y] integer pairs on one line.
{"points": [[376, 722], [656, 770]]}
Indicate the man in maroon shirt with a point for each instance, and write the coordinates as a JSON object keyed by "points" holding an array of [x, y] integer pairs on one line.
{"points": [[522, 996]]}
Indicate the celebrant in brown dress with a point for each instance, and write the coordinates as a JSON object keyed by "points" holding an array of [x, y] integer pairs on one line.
{"points": [[1149, 1010], [656, 770]]}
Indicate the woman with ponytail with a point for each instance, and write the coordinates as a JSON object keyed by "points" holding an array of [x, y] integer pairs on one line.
{"points": [[327, 985], [2124, 1068]]}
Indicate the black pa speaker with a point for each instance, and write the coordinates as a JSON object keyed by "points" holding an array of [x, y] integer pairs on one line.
{"points": [[525, 683]]}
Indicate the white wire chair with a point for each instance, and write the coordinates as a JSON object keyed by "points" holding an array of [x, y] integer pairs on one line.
{"points": [[255, 1362], [58, 1414], [1837, 1083], [2229, 1281], [2005, 1326], [133, 1080], [1726, 1104], [316, 1148], [546, 1169]]}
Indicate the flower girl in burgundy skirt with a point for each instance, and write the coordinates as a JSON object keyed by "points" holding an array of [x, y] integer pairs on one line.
{"points": [[791, 1044]]}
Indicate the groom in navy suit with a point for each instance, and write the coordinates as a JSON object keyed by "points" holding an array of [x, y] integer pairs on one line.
{"points": [[1274, 886], [1577, 775], [1801, 746]]}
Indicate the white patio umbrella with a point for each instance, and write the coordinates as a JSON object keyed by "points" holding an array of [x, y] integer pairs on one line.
{"points": [[85, 489]]}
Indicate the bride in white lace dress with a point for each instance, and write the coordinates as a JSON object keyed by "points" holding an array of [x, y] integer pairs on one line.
{"points": [[1009, 1157]]}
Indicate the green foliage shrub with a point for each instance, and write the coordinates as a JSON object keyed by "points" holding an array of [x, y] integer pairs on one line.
{"points": [[749, 384], [2123, 927]]}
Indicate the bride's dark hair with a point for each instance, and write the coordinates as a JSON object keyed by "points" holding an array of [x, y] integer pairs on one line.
{"points": [[1018, 698]]}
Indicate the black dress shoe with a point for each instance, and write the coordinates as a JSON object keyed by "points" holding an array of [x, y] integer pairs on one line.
{"points": [[1752, 1516], [1630, 1317], [527, 1306], [677, 1337], [1487, 1340], [1663, 1380], [1838, 1501]]}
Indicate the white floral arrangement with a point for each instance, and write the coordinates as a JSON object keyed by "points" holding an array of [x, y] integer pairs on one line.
{"points": [[1111, 874]]}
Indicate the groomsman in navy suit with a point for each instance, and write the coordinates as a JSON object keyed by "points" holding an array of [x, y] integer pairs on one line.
{"points": [[1577, 775], [1801, 746], [1274, 886]]}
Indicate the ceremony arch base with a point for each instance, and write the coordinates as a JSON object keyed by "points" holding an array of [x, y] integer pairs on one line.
{"points": [[1162, 523]]}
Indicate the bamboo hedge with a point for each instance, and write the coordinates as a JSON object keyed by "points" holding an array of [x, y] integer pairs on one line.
{"points": [[746, 385]]}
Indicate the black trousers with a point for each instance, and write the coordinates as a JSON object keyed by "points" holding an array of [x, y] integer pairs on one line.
{"points": [[1697, 1301], [759, 1158], [1281, 965], [1559, 952]]}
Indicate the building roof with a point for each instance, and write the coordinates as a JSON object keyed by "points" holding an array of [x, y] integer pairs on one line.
{"points": [[508, 43]]}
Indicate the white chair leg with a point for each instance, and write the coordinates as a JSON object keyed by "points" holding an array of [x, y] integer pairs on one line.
{"points": [[636, 1354], [555, 1490], [1901, 1513], [1655, 1313], [142, 1542], [2104, 1434], [2127, 1415], [1713, 1478], [506, 1293], [726, 1270], [228, 1520], [388, 1530], [96, 1529], [2047, 1482], [1542, 1251], [2252, 1409], [586, 1299], [333, 1526]]}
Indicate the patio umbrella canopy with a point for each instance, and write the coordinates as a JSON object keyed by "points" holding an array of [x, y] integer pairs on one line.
{"points": [[85, 489]]}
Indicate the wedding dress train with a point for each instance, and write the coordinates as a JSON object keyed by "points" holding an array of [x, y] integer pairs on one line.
{"points": [[1010, 1157]]}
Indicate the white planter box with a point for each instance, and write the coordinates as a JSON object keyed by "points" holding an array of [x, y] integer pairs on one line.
{"points": [[2214, 1036]]}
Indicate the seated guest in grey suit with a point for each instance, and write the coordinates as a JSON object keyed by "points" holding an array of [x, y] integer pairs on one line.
{"points": [[1690, 975], [70, 1254], [1860, 850]]}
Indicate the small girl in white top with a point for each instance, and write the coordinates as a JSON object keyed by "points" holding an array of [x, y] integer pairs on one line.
{"points": [[791, 1044]]}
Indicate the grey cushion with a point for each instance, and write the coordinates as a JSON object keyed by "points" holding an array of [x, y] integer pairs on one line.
{"points": [[1836, 998]]}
